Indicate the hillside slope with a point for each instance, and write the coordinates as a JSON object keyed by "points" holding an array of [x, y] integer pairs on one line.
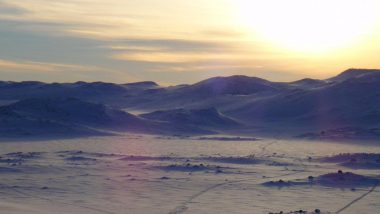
{"points": [[349, 101]]}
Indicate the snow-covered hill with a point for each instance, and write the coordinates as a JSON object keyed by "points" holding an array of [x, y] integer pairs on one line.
{"points": [[349, 101], [74, 117], [208, 118]]}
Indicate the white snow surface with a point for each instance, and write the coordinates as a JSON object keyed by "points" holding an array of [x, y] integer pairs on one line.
{"points": [[148, 174]]}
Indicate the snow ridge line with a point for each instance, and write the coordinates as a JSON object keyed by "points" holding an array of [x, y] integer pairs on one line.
{"points": [[358, 199]]}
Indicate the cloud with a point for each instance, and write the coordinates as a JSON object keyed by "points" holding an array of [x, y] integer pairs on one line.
{"points": [[184, 51], [121, 19], [44, 71], [6, 9], [127, 35], [171, 41], [183, 45], [224, 33], [165, 57], [91, 19], [41, 66], [181, 53], [206, 67]]}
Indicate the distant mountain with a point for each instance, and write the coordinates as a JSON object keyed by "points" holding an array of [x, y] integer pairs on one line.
{"points": [[354, 102], [70, 114], [70, 110], [353, 73], [249, 105], [233, 85], [142, 85], [23, 90], [16, 124], [308, 83], [204, 94], [74, 117]]}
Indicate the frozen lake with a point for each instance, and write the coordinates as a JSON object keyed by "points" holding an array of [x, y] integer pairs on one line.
{"points": [[148, 174]]}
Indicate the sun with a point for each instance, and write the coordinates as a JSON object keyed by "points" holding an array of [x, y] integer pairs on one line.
{"points": [[308, 25]]}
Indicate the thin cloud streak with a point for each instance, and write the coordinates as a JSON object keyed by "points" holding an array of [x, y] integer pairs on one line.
{"points": [[43, 71], [41, 66]]}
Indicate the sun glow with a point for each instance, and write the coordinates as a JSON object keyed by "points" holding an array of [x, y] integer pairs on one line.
{"points": [[308, 25]]}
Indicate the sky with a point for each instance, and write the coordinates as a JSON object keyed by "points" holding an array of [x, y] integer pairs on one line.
{"points": [[182, 41]]}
